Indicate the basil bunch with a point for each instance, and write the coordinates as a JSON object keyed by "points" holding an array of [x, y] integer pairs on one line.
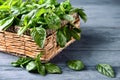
{"points": [[39, 15]]}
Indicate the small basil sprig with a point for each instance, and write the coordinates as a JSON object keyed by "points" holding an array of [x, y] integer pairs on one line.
{"points": [[40, 66], [75, 65], [22, 62], [105, 69]]}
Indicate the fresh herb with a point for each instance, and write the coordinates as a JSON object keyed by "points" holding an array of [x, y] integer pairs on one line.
{"points": [[105, 69], [35, 65], [52, 68], [40, 66], [32, 14], [39, 35], [22, 62], [80, 12], [75, 65], [31, 66], [61, 39]]}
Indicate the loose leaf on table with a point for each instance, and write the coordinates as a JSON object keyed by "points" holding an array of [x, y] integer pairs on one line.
{"points": [[22, 62], [75, 65], [39, 35], [31, 66], [105, 69], [61, 39], [5, 23], [40, 66], [80, 12], [52, 68]]}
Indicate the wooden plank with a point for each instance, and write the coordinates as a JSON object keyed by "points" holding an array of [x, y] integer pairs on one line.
{"points": [[21, 74]]}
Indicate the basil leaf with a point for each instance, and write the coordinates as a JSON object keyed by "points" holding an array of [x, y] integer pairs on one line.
{"points": [[22, 62], [31, 66], [75, 34], [40, 66], [1, 2], [77, 30], [66, 5], [40, 12], [80, 12], [25, 62], [61, 39], [105, 69], [5, 7], [5, 23], [53, 21], [39, 36], [67, 32], [52, 68], [27, 21], [15, 64], [41, 1], [68, 17], [75, 65]]}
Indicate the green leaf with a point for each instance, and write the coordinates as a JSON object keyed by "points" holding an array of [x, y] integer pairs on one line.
{"points": [[67, 32], [5, 23], [40, 66], [31, 66], [40, 12], [52, 68], [4, 7], [22, 62], [75, 65], [61, 39], [68, 17], [75, 34], [41, 1], [66, 5], [80, 12], [1, 2], [77, 30], [25, 62], [105, 69], [39, 36], [15, 64], [53, 21], [27, 21]]}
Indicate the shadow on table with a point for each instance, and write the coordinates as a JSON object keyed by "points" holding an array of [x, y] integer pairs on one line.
{"points": [[90, 41]]}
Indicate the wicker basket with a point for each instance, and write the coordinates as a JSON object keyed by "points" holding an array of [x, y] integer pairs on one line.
{"points": [[25, 46]]}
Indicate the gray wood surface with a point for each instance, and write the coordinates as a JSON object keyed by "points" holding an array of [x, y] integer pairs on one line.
{"points": [[100, 43]]}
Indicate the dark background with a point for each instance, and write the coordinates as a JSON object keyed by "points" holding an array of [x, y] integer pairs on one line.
{"points": [[100, 43]]}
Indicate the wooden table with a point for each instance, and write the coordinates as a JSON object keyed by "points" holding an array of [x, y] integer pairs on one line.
{"points": [[100, 43]]}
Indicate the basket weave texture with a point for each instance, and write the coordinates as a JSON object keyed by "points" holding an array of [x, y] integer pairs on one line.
{"points": [[24, 45]]}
